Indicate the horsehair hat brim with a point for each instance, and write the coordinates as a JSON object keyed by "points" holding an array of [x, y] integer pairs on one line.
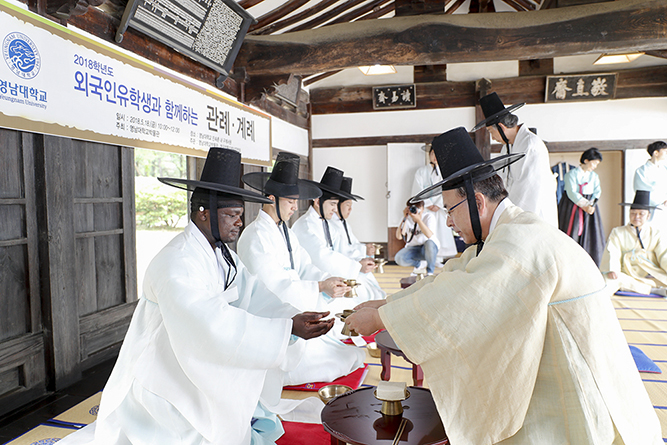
{"points": [[303, 189], [642, 201], [233, 192], [496, 116], [336, 193], [329, 173], [479, 172], [346, 187]]}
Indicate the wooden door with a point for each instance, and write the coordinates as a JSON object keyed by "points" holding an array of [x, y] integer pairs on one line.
{"points": [[22, 351]]}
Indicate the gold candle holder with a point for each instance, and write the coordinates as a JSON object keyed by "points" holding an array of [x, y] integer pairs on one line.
{"points": [[352, 292], [392, 407], [380, 262], [346, 330]]}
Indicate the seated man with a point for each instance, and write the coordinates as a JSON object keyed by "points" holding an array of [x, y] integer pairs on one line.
{"points": [[635, 258], [272, 253], [203, 358], [421, 245], [517, 338], [345, 242], [316, 236]]}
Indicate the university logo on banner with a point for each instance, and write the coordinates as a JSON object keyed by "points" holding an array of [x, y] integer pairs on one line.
{"points": [[21, 55]]}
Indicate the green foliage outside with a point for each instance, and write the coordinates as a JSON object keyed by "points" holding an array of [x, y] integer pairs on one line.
{"points": [[158, 206]]}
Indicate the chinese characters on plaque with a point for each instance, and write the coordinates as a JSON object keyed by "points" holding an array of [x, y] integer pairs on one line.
{"points": [[398, 96], [580, 87]]}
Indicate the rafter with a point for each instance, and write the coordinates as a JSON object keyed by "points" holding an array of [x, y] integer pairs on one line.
{"points": [[245, 4], [358, 12], [278, 13], [379, 12], [629, 25], [335, 12], [457, 4], [296, 18]]}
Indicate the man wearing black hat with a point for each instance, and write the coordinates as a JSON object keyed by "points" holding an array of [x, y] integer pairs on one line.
{"points": [[652, 177], [345, 242], [530, 182], [317, 237], [517, 338], [204, 355], [273, 253], [635, 257]]}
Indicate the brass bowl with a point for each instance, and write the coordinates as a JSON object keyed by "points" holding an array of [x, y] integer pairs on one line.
{"points": [[373, 350], [329, 392]]}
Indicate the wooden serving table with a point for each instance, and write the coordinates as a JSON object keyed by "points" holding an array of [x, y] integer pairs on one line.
{"points": [[387, 347], [354, 418]]}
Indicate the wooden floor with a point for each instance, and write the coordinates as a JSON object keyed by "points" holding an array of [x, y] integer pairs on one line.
{"points": [[41, 411], [643, 320]]}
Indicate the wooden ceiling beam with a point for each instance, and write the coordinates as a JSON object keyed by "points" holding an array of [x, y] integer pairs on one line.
{"points": [[630, 25], [643, 82], [662, 53]]}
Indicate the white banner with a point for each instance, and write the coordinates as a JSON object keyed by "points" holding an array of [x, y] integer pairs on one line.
{"points": [[55, 81]]}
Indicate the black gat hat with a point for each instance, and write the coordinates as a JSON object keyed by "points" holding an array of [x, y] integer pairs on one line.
{"points": [[494, 109], [283, 181]]}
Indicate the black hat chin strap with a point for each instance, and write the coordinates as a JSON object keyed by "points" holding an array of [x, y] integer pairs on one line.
{"points": [[474, 213], [639, 237], [507, 144], [284, 225], [325, 223], [340, 213], [215, 232]]}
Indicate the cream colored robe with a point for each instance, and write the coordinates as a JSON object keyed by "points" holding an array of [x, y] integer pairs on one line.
{"points": [[625, 256], [519, 345]]}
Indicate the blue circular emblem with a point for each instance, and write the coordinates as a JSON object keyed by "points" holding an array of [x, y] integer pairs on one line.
{"points": [[94, 410], [45, 442], [21, 55]]}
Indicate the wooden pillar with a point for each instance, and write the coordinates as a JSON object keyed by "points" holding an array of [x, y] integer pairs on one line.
{"points": [[55, 213], [482, 138]]}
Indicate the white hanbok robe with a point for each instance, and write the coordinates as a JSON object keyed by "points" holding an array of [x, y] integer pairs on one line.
{"points": [[353, 248], [263, 250], [653, 177], [521, 344], [201, 355], [530, 181], [425, 177], [310, 231], [638, 269]]}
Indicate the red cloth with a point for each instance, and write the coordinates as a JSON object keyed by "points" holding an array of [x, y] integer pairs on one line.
{"points": [[304, 434], [367, 339], [353, 380]]}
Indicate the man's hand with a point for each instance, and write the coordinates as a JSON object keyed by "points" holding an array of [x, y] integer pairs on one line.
{"points": [[416, 217], [370, 249], [612, 275], [433, 208], [365, 321], [310, 324], [334, 287], [375, 304], [367, 265]]}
